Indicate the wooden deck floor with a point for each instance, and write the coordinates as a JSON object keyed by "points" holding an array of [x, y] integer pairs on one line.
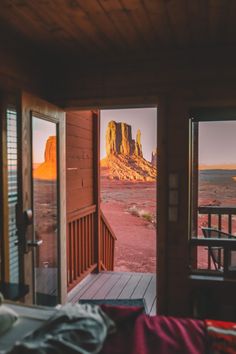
{"points": [[115, 285]]}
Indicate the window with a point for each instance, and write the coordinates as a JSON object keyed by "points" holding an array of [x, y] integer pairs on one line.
{"points": [[11, 118], [213, 192]]}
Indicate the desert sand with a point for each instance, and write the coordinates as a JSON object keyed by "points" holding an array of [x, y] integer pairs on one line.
{"points": [[135, 248]]}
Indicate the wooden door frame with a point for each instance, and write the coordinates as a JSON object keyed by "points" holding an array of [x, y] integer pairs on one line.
{"points": [[30, 104], [161, 104]]}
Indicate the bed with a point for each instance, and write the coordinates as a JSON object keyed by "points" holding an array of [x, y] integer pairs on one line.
{"points": [[138, 333]]}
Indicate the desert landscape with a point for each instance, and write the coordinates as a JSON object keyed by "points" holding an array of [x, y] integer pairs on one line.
{"points": [[217, 188], [123, 203], [131, 211], [128, 193], [45, 218]]}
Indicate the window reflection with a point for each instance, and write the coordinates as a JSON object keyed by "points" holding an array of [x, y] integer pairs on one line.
{"points": [[45, 198]]}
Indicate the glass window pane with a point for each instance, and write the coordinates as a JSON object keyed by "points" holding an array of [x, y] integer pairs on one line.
{"points": [[44, 158]]}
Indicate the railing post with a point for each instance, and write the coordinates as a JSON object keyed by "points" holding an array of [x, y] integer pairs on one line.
{"points": [[230, 223]]}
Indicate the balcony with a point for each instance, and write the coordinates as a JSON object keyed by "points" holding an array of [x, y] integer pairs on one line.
{"points": [[214, 251]]}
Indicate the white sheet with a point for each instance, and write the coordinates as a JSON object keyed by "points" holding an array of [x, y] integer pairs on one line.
{"points": [[30, 318]]}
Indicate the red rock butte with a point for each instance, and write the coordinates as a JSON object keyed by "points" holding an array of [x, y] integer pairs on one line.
{"points": [[48, 169], [124, 160]]}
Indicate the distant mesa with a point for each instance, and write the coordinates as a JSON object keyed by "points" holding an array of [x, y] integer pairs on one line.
{"points": [[124, 160], [218, 167], [119, 140], [48, 169]]}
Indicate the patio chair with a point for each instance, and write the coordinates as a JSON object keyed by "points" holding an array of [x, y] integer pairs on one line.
{"points": [[216, 253]]}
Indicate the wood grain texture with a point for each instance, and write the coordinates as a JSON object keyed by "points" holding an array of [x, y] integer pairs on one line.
{"points": [[117, 27], [80, 245], [117, 285], [83, 194], [79, 160]]}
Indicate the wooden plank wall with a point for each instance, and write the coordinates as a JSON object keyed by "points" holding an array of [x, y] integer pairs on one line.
{"points": [[79, 160], [17, 71], [81, 201]]}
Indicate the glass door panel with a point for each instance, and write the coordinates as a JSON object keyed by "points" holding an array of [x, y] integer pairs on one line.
{"points": [[45, 241]]}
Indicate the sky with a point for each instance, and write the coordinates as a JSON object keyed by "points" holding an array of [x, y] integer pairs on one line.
{"points": [[42, 129], [217, 143], [144, 119]]}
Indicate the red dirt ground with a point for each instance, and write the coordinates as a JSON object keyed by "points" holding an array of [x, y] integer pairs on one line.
{"points": [[136, 238], [135, 249]]}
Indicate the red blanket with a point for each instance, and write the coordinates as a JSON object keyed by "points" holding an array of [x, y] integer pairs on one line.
{"points": [[138, 333], [221, 336]]}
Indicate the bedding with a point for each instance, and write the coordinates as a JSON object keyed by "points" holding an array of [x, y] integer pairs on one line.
{"points": [[138, 333], [72, 329], [7, 317], [221, 336]]}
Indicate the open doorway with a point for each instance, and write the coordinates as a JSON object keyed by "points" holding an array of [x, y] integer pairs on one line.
{"points": [[128, 151]]}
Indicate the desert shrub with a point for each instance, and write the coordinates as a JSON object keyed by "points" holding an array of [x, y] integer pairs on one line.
{"points": [[147, 216], [133, 210]]}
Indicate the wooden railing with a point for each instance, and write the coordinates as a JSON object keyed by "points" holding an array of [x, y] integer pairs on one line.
{"points": [[219, 217], [81, 258], [107, 244], [227, 245]]}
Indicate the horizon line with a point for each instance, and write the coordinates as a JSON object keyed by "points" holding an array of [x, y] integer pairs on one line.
{"points": [[228, 166]]}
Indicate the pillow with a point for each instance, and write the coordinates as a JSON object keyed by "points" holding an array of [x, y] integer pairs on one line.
{"points": [[7, 317]]}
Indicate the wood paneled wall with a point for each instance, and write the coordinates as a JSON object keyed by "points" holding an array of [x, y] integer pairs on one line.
{"points": [[82, 200], [176, 237], [79, 160], [195, 74], [23, 65]]}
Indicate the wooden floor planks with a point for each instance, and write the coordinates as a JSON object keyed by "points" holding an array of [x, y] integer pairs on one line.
{"points": [[117, 285]]}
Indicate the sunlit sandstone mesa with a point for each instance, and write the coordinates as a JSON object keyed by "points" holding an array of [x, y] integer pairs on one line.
{"points": [[124, 160], [48, 169]]}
